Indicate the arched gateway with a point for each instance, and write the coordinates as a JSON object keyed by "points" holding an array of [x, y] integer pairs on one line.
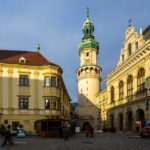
{"points": [[120, 121], [129, 121], [140, 115]]}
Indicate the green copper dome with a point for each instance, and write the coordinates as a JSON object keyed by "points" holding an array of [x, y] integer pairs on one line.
{"points": [[88, 38], [88, 29]]}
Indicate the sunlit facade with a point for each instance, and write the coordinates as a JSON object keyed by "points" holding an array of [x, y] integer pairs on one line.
{"points": [[126, 99], [31, 89]]}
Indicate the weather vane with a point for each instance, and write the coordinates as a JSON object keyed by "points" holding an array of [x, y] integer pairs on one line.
{"points": [[87, 12], [129, 21]]}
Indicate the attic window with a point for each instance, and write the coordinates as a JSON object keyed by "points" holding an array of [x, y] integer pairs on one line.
{"points": [[22, 60]]}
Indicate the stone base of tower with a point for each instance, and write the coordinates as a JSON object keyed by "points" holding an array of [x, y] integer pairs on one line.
{"points": [[87, 116]]}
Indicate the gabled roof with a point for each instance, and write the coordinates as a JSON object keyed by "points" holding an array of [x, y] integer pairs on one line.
{"points": [[32, 58]]}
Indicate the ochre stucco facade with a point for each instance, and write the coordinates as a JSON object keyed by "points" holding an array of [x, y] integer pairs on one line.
{"points": [[33, 98], [126, 98]]}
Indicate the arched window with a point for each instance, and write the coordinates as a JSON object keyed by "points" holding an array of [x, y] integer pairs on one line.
{"points": [[140, 80], [87, 54], [121, 90], [129, 49], [130, 85], [112, 94], [87, 31]]}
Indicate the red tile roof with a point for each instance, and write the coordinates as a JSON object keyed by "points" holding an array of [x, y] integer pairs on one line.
{"points": [[32, 58]]}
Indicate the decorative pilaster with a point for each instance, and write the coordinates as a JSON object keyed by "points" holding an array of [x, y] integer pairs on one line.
{"points": [[36, 88], [10, 91]]}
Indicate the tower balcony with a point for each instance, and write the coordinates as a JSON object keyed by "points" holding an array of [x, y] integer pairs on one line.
{"points": [[91, 71]]}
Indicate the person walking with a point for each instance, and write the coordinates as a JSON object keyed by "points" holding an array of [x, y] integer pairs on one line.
{"points": [[91, 132], [65, 131], [7, 136], [87, 129]]}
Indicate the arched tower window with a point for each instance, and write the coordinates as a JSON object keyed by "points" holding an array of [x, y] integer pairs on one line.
{"points": [[87, 54], [129, 49], [130, 85], [112, 94], [140, 79], [121, 90], [87, 31]]}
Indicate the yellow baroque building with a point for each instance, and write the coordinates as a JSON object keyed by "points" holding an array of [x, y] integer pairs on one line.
{"points": [[31, 89], [126, 98]]}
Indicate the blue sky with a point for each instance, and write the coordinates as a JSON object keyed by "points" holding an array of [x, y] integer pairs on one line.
{"points": [[56, 25]]}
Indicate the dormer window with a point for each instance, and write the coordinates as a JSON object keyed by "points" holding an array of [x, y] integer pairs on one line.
{"points": [[129, 49], [22, 60]]}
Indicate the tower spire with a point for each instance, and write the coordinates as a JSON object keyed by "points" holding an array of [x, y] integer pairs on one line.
{"points": [[87, 12]]}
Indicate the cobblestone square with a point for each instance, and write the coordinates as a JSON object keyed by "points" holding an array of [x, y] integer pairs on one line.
{"points": [[101, 141]]}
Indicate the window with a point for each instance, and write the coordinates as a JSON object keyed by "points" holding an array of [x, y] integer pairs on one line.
{"points": [[47, 81], [47, 103], [23, 103], [53, 104], [122, 58], [129, 49], [87, 54], [130, 85], [112, 94], [121, 90], [140, 80], [87, 31], [136, 45], [53, 81], [22, 60], [24, 80], [15, 124]]}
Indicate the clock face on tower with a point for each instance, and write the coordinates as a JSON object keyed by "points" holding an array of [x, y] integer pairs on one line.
{"points": [[87, 61]]}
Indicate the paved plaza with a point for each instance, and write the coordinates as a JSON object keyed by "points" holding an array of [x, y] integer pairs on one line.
{"points": [[101, 141]]}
